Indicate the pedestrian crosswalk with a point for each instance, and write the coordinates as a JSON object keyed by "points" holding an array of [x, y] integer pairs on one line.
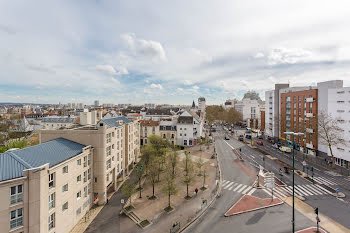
{"points": [[236, 187], [300, 190], [325, 181], [281, 192]]}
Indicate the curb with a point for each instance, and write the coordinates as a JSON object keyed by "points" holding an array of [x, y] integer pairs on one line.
{"points": [[246, 211], [211, 202]]}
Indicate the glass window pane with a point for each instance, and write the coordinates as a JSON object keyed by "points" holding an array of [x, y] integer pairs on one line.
{"points": [[13, 190], [20, 188]]}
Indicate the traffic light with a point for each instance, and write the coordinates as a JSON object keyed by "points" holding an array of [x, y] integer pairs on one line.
{"points": [[316, 210]]}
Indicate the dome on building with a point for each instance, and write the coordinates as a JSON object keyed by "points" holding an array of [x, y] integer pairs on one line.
{"points": [[201, 99], [252, 95]]}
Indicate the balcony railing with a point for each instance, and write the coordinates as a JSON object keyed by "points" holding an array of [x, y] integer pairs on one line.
{"points": [[309, 115], [309, 145], [308, 130], [309, 100]]}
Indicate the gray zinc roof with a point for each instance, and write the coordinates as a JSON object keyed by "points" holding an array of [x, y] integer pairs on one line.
{"points": [[59, 119], [12, 163], [113, 122]]}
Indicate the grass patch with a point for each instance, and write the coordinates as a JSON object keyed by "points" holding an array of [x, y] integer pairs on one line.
{"points": [[144, 223], [168, 208]]}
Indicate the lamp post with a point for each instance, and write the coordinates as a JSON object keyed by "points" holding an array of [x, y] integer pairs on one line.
{"points": [[293, 143]]}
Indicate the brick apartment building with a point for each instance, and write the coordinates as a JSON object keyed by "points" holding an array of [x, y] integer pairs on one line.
{"points": [[299, 114]]}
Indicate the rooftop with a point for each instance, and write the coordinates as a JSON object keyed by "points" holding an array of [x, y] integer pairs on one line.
{"points": [[12, 163], [114, 121]]}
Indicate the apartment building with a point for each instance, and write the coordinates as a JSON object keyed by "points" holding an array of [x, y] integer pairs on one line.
{"points": [[249, 107], [168, 131], [272, 106], [90, 118], [56, 122], [116, 149], [188, 129], [45, 188], [148, 128], [298, 113], [339, 109]]}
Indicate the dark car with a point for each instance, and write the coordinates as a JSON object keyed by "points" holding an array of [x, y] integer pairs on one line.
{"points": [[227, 138], [260, 137], [241, 138]]}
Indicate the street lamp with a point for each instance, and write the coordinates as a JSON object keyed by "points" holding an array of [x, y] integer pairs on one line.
{"points": [[293, 143]]}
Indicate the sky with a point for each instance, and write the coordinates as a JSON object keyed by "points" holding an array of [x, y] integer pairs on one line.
{"points": [[158, 51]]}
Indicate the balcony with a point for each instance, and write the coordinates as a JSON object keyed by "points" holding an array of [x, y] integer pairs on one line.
{"points": [[308, 130], [309, 145], [309, 115], [309, 100]]}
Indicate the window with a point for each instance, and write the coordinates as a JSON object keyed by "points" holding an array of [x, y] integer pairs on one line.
{"points": [[79, 162], [112, 134], [89, 188], [65, 206], [95, 180], [180, 134], [51, 221], [85, 161], [89, 173], [108, 150], [108, 163], [112, 146], [16, 218], [65, 169], [79, 178], [16, 194], [65, 188], [85, 176], [89, 159], [112, 158], [52, 180], [78, 195], [51, 201], [78, 211], [163, 135], [85, 191]]}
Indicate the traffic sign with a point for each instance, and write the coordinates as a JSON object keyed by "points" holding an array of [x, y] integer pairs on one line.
{"points": [[269, 180]]}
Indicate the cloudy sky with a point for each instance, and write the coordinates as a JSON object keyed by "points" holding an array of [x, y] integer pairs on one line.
{"points": [[167, 51]]}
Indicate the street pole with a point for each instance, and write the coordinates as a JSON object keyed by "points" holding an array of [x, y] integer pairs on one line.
{"points": [[293, 193]]}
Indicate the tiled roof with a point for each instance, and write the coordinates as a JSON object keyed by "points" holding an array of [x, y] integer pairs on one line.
{"points": [[185, 120], [12, 163], [113, 122]]}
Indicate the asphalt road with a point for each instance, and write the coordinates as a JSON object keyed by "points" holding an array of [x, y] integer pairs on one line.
{"points": [[273, 220]]}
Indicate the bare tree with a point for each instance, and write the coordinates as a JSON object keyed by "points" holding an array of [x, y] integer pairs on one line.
{"points": [[189, 172], [202, 171], [169, 186], [153, 172], [329, 132], [128, 190]]}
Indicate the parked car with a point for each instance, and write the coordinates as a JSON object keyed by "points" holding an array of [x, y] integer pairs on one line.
{"points": [[260, 143], [285, 149], [275, 146], [241, 138], [260, 137], [227, 137]]}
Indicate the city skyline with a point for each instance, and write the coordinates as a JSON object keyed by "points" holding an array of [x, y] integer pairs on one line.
{"points": [[126, 52]]}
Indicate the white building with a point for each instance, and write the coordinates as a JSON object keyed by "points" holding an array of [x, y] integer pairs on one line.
{"points": [[90, 118], [187, 129], [339, 108], [250, 107]]}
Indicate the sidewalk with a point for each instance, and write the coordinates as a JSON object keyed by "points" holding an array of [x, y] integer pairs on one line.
{"points": [[326, 223], [184, 210]]}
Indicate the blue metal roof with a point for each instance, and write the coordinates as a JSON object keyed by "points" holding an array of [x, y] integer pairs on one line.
{"points": [[12, 163], [113, 121]]}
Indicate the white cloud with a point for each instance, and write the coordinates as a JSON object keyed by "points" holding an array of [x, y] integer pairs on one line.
{"points": [[289, 56], [180, 89], [146, 48], [259, 55], [106, 69], [195, 87], [156, 86], [188, 82]]}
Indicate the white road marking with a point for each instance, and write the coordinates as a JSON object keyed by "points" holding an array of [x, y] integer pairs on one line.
{"points": [[241, 189], [305, 190], [319, 186], [251, 191], [246, 190], [312, 189], [237, 187]]}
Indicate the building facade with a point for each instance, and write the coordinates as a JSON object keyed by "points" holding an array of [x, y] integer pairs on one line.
{"points": [[148, 128], [45, 188], [299, 113], [168, 131], [116, 149]]}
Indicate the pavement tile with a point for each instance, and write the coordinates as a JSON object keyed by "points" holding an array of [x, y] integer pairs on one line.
{"points": [[311, 230], [250, 203]]}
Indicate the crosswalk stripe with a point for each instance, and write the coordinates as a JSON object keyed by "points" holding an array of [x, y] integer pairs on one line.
{"points": [[324, 181], [314, 190], [237, 187], [251, 191], [318, 189], [319, 186], [225, 182], [246, 190], [279, 192], [296, 191], [241, 189], [300, 190], [289, 190], [328, 180], [305, 190], [284, 191], [232, 186], [227, 186], [268, 192]]}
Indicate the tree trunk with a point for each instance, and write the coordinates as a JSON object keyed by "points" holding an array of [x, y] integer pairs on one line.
{"points": [[130, 199], [153, 189], [187, 188], [169, 200], [330, 149], [158, 172]]}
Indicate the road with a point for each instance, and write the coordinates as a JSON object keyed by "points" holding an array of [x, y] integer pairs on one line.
{"points": [[273, 220]]}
